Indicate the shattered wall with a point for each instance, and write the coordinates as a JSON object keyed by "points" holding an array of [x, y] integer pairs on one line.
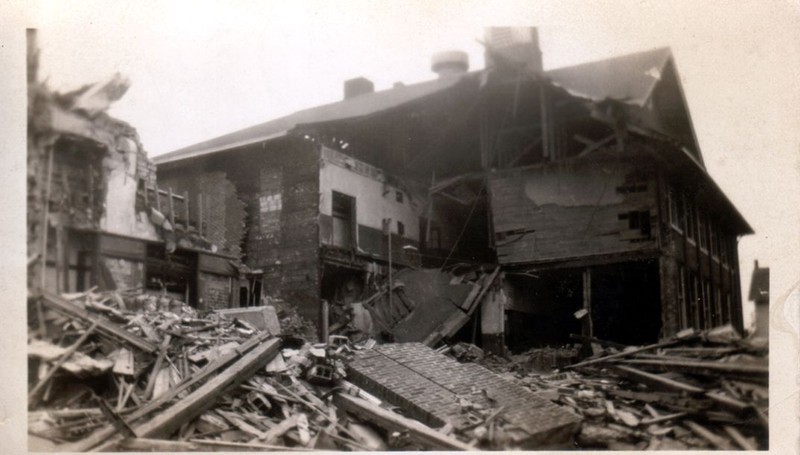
{"points": [[83, 171], [573, 209], [278, 184], [223, 212]]}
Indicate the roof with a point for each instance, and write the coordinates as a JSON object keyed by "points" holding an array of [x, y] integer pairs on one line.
{"points": [[357, 106], [627, 78]]}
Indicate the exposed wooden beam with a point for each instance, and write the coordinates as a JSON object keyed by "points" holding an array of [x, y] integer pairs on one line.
{"points": [[394, 422]]}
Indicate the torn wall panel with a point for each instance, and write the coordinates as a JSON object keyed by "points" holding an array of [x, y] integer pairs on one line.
{"points": [[572, 209]]}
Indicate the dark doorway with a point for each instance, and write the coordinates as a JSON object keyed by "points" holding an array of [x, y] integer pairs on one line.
{"points": [[343, 211], [626, 304]]}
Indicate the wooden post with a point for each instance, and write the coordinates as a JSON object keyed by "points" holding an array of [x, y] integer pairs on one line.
{"points": [[430, 212], [325, 321], [186, 208], [146, 196], [544, 123], [389, 228], [588, 329], [158, 200], [171, 207]]}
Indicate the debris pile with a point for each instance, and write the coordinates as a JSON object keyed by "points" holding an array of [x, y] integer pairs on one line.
{"points": [[698, 391], [106, 377]]}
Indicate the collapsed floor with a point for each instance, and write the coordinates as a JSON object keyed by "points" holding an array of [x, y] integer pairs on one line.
{"points": [[138, 373]]}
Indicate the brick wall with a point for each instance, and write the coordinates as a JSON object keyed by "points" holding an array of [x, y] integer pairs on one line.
{"points": [[214, 291], [428, 385]]}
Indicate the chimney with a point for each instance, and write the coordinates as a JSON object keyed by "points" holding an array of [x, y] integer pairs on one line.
{"points": [[358, 86], [513, 47], [448, 63]]}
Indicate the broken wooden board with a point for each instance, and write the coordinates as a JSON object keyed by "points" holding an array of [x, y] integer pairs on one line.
{"points": [[103, 325], [105, 434], [394, 422], [169, 420], [656, 381]]}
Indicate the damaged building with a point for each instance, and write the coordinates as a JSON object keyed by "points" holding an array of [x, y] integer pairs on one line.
{"points": [[508, 258], [584, 187], [96, 215]]}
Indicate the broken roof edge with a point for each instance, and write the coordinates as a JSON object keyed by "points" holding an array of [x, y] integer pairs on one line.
{"points": [[662, 55]]}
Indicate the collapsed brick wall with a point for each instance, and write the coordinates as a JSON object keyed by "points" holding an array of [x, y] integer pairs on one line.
{"points": [[429, 386]]}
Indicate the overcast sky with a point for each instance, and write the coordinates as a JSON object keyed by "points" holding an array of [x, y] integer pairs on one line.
{"points": [[201, 69]]}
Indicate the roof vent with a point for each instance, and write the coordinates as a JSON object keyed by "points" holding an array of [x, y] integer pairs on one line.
{"points": [[448, 63], [358, 86]]}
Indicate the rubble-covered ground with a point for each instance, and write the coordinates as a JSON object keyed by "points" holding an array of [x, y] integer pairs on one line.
{"points": [[110, 371]]}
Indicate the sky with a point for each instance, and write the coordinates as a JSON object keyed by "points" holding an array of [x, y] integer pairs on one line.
{"points": [[200, 69]]}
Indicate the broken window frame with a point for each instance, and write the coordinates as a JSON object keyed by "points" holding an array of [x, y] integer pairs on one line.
{"points": [[702, 230], [675, 209]]}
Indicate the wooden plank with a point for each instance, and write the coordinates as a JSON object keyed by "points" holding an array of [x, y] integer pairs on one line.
{"points": [[718, 441], [704, 368], [418, 432], [621, 355], [162, 352], [656, 380], [103, 325], [105, 434], [729, 402], [169, 420], [739, 439], [229, 446]]}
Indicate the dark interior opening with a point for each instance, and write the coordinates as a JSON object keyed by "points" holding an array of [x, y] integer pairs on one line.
{"points": [[542, 308], [626, 302]]}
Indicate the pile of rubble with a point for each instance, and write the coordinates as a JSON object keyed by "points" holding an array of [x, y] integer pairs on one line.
{"points": [[698, 391], [110, 371], [137, 372]]}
